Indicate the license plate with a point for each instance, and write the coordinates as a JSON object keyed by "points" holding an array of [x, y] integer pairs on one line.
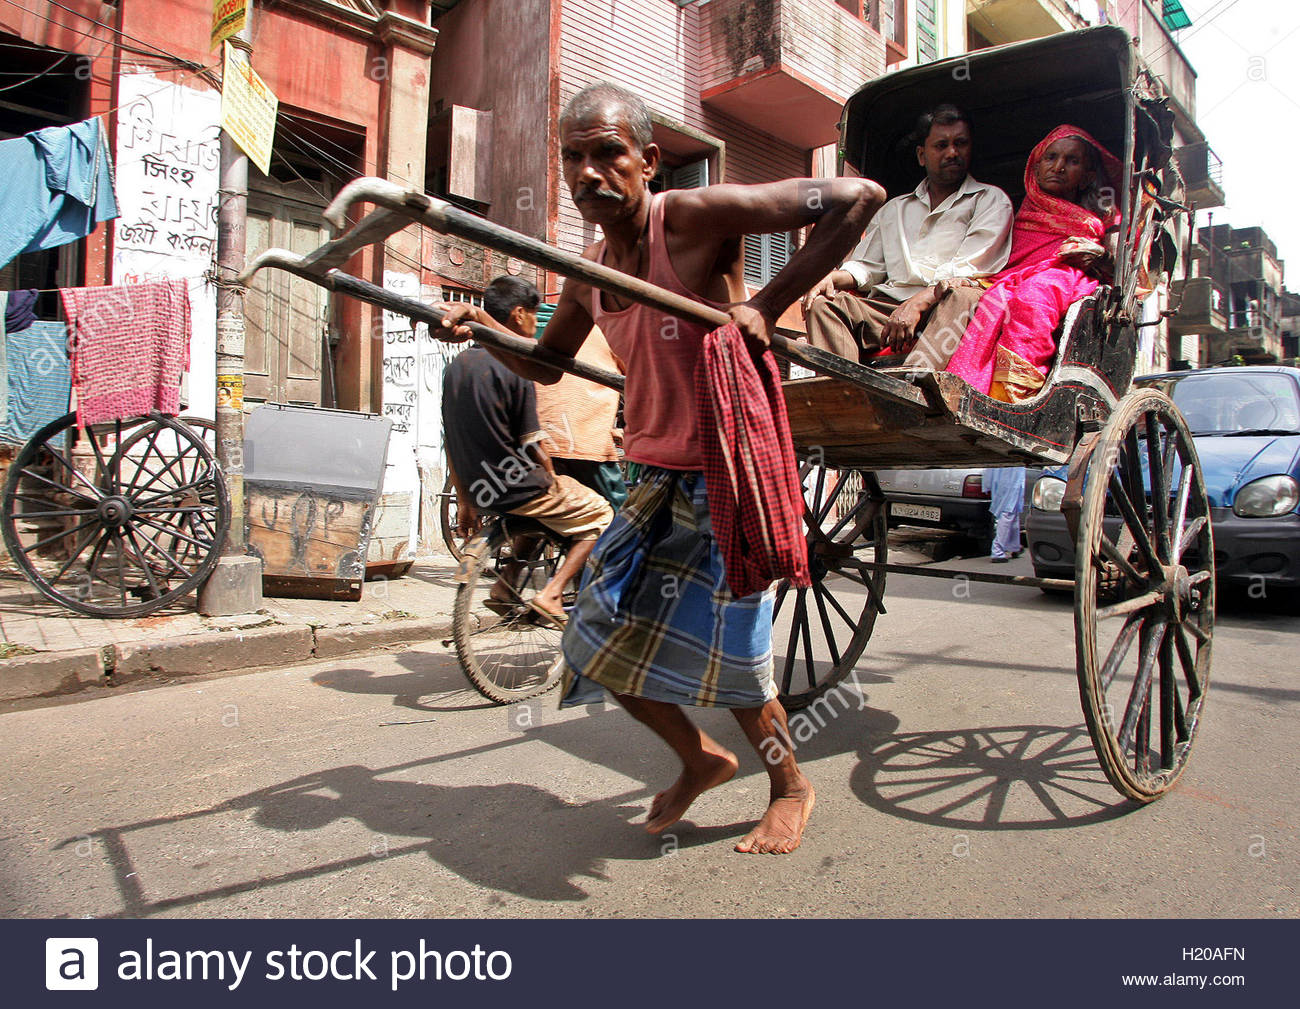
{"points": [[911, 511]]}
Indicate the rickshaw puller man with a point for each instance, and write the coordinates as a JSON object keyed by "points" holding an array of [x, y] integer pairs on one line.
{"points": [[655, 623]]}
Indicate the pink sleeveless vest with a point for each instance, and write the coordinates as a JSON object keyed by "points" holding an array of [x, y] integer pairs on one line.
{"points": [[660, 353]]}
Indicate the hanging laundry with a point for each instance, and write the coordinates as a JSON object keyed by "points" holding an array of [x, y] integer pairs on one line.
{"points": [[39, 382], [130, 347], [58, 184], [750, 473], [4, 363], [19, 310]]}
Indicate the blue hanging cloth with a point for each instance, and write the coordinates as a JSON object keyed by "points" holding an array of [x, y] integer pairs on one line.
{"points": [[40, 380], [58, 184]]}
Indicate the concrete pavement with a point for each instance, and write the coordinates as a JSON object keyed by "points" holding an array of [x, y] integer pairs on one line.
{"points": [[47, 650]]}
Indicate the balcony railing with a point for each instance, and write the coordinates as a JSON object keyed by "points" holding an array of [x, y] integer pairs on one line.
{"points": [[1201, 307], [1202, 172]]}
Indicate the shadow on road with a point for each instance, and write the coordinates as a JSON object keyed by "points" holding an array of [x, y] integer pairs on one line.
{"points": [[523, 839], [1020, 777], [433, 681], [509, 837]]}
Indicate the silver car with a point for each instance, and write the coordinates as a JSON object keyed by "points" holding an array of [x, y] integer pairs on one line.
{"points": [[944, 499]]}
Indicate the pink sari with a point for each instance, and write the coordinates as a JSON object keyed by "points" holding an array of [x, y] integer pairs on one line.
{"points": [[1008, 347]]}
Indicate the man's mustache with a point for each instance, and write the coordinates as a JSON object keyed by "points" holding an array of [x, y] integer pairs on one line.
{"points": [[598, 194]]}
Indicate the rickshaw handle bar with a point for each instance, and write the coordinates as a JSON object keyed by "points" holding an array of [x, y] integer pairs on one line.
{"points": [[345, 283], [451, 220]]}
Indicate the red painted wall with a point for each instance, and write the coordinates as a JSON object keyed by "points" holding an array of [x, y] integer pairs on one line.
{"points": [[308, 65]]}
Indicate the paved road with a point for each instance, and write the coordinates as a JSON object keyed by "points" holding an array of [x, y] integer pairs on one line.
{"points": [[962, 785]]}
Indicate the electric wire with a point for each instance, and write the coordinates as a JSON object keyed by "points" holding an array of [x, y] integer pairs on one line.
{"points": [[153, 52], [318, 154], [33, 79], [1208, 19], [116, 31]]}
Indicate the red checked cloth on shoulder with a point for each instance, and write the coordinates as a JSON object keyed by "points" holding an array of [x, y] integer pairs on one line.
{"points": [[130, 346], [755, 497]]}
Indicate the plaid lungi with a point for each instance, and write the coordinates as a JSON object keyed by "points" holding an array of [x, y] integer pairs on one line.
{"points": [[655, 617]]}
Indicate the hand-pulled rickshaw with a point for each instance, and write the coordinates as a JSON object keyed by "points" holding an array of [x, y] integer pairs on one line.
{"points": [[1135, 499]]}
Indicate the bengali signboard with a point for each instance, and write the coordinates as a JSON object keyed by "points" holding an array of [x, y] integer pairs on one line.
{"points": [[167, 158], [248, 109], [228, 18]]}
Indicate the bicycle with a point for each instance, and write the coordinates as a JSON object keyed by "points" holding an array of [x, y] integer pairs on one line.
{"points": [[509, 649]]}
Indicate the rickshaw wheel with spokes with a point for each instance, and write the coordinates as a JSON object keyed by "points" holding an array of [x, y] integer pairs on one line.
{"points": [[126, 523], [1146, 514], [818, 633]]}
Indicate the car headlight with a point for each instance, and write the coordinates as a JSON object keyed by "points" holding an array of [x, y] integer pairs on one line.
{"points": [[1267, 497], [1048, 493]]}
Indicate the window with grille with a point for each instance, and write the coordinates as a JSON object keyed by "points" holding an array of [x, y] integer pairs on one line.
{"points": [[764, 257], [462, 294], [889, 18]]}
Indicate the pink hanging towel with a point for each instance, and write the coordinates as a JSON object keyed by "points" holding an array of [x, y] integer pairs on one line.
{"points": [[130, 346], [750, 473]]}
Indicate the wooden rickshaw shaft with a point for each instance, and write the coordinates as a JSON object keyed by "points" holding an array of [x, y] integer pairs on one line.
{"points": [[345, 283], [409, 205]]}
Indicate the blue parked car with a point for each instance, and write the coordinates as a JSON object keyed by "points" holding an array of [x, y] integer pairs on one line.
{"points": [[1246, 426]]}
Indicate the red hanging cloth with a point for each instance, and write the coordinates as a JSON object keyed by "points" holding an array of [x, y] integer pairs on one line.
{"points": [[755, 497], [130, 346]]}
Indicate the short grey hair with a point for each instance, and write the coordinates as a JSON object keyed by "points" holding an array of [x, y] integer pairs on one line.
{"points": [[595, 99]]}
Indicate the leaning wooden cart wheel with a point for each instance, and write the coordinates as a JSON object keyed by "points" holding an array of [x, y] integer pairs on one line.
{"points": [[1144, 595], [119, 520], [818, 633]]}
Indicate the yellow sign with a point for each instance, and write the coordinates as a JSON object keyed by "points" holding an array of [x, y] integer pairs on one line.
{"points": [[228, 18], [248, 109], [230, 391]]}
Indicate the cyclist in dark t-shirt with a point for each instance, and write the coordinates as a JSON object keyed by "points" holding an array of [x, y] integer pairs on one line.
{"points": [[498, 464]]}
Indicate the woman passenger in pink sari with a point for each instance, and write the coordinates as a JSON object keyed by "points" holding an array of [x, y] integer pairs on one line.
{"points": [[1008, 347]]}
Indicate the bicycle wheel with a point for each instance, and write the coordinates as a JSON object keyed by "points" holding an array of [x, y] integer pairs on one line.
{"points": [[447, 514], [127, 520], [509, 651]]}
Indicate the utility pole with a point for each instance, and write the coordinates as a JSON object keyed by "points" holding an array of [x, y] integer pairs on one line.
{"points": [[235, 585]]}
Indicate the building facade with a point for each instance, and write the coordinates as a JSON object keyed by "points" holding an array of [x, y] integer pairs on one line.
{"points": [[1244, 278], [456, 98], [352, 82], [461, 98], [1290, 327]]}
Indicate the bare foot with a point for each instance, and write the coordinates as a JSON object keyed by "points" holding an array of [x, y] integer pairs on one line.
{"points": [[671, 804], [781, 829]]}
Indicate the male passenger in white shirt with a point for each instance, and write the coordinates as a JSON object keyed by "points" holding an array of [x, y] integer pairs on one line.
{"points": [[916, 271]]}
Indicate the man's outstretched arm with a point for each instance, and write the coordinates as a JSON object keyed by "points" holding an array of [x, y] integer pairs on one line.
{"points": [[838, 209]]}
